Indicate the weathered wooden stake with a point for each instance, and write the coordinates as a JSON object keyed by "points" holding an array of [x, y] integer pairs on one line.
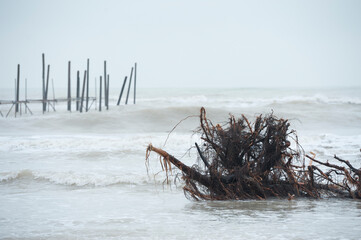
{"points": [[100, 95], [108, 92], [47, 85], [87, 84], [14, 102], [77, 90], [121, 92], [130, 83], [82, 95], [95, 92], [26, 93], [135, 81], [105, 84], [44, 104], [17, 90], [69, 87]]}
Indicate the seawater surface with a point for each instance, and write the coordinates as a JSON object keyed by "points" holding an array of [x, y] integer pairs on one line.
{"points": [[83, 175]]}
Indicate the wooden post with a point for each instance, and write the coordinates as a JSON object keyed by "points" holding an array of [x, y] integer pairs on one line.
{"points": [[17, 90], [95, 92], [130, 83], [87, 84], [47, 85], [82, 95], [44, 104], [69, 93], [26, 93], [100, 95], [77, 90], [121, 92], [135, 82], [105, 92], [108, 92], [105, 84], [14, 103]]}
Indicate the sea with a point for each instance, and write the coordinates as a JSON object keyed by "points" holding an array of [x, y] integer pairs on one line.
{"points": [[72, 175]]}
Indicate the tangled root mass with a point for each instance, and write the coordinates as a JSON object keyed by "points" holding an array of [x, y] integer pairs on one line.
{"points": [[241, 160]]}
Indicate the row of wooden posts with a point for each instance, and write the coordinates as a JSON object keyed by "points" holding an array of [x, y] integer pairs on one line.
{"points": [[82, 99]]}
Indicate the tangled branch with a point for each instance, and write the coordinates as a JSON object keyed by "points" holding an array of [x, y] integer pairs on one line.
{"points": [[242, 160]]}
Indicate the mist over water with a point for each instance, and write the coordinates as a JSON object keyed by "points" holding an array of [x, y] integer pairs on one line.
{"points": [[83, 175]]}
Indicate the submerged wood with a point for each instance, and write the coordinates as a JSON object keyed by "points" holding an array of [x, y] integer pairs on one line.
{"points": [[241, 160]]}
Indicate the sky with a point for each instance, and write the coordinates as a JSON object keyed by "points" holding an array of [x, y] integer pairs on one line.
{"points": [[185, 44]]}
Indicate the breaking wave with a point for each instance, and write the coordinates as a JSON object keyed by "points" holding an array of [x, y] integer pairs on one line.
{"points": [[251, 101], [73, 178]]}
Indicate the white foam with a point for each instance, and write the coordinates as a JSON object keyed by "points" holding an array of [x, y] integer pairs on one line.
{"points": [[72, 178]]}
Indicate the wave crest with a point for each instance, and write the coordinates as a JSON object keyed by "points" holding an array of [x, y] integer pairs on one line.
{"points": [[72, 178]]}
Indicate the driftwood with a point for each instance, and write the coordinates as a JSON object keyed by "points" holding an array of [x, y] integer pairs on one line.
{"points": [[241, 160]]}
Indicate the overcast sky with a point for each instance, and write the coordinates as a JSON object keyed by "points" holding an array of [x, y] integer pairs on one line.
{"points": [[189, 43]]}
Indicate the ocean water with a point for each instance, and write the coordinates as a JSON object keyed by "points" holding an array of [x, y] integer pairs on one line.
{"points": [[83, 175]]}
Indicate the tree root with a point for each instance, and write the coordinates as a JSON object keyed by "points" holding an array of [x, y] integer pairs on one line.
{"points": [[255, 161]]}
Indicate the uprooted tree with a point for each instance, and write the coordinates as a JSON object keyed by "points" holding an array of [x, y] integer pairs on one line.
{"points": [[241, 160]]}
